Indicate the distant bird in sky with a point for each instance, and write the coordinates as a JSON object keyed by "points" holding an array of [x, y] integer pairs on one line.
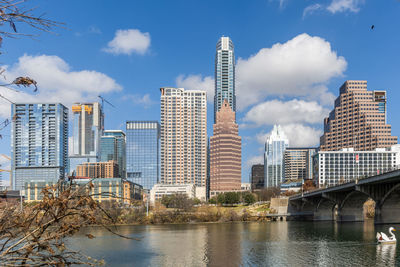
{"points": [[372, 27]]}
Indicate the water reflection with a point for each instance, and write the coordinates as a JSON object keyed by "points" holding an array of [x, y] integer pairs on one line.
{"points": [[386, 254], [242, 244]]}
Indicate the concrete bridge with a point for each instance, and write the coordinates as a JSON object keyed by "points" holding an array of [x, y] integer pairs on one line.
{"points": [[348, 200]]}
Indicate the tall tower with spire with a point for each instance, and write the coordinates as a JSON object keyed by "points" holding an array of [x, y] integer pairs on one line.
{"points": [[224, 75]]}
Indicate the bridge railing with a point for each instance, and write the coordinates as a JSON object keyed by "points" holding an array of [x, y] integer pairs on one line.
{"points": [[369, 175]]}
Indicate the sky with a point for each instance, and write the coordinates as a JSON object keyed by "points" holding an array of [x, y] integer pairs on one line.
{"points": [[292, 56]]}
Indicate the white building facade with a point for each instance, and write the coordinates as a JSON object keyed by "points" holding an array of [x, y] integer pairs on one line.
{"points": [[335, 167]]}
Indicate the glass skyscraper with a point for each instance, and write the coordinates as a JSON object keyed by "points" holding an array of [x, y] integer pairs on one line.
{"points": [[224, 75], [39, 143], [143, 152], [112, 147], [274, 157]]}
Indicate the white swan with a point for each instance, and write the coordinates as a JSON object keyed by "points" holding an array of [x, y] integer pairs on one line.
{"points": [[383, 238]]}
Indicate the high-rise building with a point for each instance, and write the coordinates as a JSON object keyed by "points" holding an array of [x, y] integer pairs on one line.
{"points": [[358, 120], [107, 169], [257, 176], [297, 163], [225, 152], [39, 143], [183, 136], [113, 147], [224, 75], [336, 167], [87, 128], [275, 148], [143, 152]]}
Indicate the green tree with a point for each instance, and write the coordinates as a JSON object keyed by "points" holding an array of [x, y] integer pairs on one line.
{"points": [[232, 198], [212, 200], [221, 198], [248, 198]]}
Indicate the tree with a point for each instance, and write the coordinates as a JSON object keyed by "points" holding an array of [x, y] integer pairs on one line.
{"points": [[232, 198], [248, 198], [267, 193], [221, 198], [212, 200], [177, 201], [309, 185], [35, 235]]}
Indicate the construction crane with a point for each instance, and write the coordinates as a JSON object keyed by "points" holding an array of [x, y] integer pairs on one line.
{"points": [[104, 100]]}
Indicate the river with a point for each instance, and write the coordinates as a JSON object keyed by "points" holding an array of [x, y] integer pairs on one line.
{"points": [[241, 244]]}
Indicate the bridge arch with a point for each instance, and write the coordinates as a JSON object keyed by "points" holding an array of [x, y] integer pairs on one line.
{"points": [[387, 210], [352, 207], [325, 210]]}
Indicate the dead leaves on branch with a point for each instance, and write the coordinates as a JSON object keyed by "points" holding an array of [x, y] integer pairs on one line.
{"points": [[35, 235], [25, 82]]}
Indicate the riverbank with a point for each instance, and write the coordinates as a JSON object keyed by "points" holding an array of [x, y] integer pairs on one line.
{"points": [[200, 214]]}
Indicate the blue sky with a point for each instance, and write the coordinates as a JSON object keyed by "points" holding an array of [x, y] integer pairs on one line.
{"points": [[292, 56]]}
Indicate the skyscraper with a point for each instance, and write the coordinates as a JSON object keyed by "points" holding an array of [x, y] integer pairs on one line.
{"points": [[39, 143], [275, 147], [113, 147], [225, 152], [143, 152], [298, 163], [183, 136], [224, 75], [87, 128], [257, 176], [358, 120]]}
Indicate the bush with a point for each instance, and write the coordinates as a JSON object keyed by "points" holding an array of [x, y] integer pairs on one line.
{"points": [[212, 200], [177, 201]]}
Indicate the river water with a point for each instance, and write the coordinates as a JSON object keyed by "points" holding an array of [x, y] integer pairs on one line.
{"points": [[242, 244]]}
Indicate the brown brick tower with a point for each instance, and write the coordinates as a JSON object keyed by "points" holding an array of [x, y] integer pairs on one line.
{"points": [[358, 120], [225, 152]]}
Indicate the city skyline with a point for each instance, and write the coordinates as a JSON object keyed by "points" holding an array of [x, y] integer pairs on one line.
{"points": [[133, 85]]}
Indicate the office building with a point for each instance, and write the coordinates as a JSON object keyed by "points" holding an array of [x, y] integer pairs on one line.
{"points": [[105, 189], [224, 75], [87, 128], [257, 176], [225, 152], [113, 147], [297, 163], [275, 148], [358, 120], [107, 169], [183, 136], [143, 152], [336, 167], [39, 143], [160, 190]]}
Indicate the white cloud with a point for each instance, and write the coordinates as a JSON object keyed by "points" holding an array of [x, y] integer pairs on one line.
{"points": [[197, 82], [128, 42], [254, 160], [296, 68], [311, 9], [144, 100], [293, 111], [299, 135], [57, 82], [344, 5]]}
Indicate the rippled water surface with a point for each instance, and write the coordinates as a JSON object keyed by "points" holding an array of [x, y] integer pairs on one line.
{"points": [[242, 244]]}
